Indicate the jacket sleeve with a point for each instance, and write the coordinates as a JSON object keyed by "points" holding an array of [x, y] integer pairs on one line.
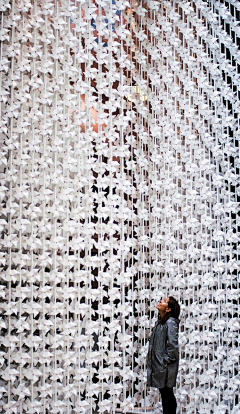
{"points": [[171, 352]]}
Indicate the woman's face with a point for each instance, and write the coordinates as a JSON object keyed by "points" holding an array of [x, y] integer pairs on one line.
{"points": [[163, 305]]}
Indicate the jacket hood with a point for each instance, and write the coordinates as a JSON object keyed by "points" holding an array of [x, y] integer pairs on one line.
{"points": [[174, 319], [171, 318]]}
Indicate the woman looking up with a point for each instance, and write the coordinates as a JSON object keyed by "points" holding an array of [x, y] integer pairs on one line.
{"points": [[163, 354]]}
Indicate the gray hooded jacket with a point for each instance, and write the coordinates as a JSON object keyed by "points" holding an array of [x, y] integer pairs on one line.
{"points": [[163, 355]]}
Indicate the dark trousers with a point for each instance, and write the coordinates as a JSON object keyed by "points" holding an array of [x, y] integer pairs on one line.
{"points": [[168, 400]]}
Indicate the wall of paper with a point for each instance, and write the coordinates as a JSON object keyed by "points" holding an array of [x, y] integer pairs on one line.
{"points": [[119, 137]]}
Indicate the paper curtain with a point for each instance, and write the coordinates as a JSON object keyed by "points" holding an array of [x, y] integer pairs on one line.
{"points": [[119, 186]]}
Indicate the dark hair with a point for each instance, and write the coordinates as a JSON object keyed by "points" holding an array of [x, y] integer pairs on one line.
{"points": [[174, 312]]}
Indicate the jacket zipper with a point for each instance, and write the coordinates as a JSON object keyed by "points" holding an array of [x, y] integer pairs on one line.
{"points": [[152, 350]]}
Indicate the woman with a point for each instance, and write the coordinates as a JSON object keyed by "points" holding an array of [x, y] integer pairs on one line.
{"points": [[163, 355]]}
